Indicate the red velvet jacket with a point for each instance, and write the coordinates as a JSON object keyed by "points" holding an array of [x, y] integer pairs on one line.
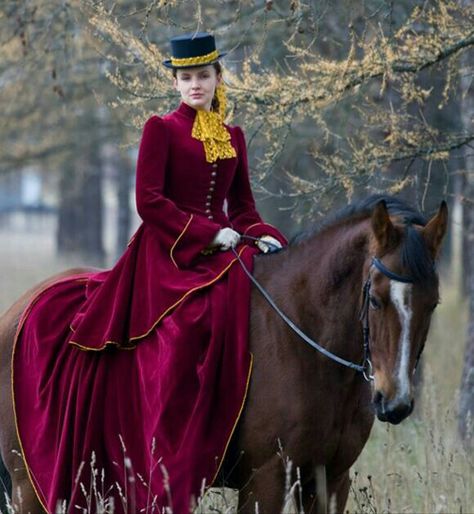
{"points": [[181, 199]]}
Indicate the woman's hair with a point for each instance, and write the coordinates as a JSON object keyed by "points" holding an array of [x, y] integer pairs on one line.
{"points": [[218, 67]]}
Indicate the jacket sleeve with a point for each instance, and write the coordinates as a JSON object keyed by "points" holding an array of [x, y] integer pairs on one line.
{"points": [[241, 205], [183, 233]]}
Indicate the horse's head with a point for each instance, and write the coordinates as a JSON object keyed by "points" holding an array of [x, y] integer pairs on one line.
{"points": [[401, 298]]}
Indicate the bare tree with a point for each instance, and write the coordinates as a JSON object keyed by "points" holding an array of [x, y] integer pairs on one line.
{"points": [[52, 79], [466, 404]]}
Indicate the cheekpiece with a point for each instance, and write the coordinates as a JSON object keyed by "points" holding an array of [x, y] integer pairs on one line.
{"points": [[194, 49]]}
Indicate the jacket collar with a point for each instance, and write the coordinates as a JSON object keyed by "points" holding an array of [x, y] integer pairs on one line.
{"points": [[186, 111]]}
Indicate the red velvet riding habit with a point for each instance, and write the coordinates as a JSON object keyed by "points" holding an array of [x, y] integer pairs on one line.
{"points": [[159, 417]]}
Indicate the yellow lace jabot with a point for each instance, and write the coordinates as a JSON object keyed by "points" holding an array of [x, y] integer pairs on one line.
{"points": [[209, 128]]}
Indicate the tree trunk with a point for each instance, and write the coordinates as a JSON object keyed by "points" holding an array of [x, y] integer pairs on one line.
{"points": [[124, 218], [467, 234], [80, 209], [69, 213], [466, 402]]}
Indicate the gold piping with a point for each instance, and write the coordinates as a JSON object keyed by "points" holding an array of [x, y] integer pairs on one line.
{"points": [[200, 59], [23, 456], [259, 223], [254, 225], [236, 421], [107, 343], [134, 338], [21, 322], [177, 240]]}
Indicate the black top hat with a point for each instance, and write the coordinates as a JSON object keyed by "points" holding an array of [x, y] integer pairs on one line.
{"points": [[194, 49]]}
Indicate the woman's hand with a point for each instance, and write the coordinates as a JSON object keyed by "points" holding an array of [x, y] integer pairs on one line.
{"points": [[226, 238], [273, 244]]}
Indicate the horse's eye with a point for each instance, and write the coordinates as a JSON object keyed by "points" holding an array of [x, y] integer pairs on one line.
{"points": [[374, 302]]}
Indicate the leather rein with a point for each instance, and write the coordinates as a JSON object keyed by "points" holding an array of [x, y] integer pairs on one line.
{"points": [[366, 367]]}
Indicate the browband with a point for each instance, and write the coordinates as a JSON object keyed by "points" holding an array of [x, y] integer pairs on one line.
{"points": [[390, 274]]}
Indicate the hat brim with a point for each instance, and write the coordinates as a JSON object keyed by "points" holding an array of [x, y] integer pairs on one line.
{"points": [[168, 64]]}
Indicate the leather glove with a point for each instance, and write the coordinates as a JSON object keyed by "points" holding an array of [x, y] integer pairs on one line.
{"points": [[273, 246], [226, 238]]}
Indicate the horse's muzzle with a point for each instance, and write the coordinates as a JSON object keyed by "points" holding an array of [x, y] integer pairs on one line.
{"points": [[393, 411]]}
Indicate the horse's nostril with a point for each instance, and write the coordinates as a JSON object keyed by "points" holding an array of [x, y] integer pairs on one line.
{"points": [[378, 398], [394, 411], [379, 405]]}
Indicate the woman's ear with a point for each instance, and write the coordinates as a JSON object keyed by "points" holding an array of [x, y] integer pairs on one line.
{"points": [[175, 83]]}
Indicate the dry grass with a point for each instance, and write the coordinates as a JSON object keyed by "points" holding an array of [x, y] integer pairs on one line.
{"points": [[417, 467]]}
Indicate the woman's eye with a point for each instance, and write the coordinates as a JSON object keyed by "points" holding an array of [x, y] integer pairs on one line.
{"points": [[375, 303]]}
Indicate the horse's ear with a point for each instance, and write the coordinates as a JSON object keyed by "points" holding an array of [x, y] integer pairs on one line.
{"points": [[435, 229], [384, 231]]}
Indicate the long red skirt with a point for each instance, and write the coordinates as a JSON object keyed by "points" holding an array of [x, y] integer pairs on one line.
{"points": [[144, 427]]}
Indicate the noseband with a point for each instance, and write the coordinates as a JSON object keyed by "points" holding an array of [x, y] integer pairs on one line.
{"points": [[366, 367]]}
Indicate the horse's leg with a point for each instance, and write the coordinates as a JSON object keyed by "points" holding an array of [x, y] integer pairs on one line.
{"points": [[338, 491], [311, 503], [263, 489], [5, 487], [24, 498]]}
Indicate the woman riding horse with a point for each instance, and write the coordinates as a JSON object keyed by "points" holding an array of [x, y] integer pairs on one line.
{"points": [[159, 417]]}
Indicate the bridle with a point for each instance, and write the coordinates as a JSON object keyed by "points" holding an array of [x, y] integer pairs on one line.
{"points": [[366, 367], [364, 312]]}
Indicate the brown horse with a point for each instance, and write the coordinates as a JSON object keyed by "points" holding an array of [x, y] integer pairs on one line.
{"points": [[375, 262]]}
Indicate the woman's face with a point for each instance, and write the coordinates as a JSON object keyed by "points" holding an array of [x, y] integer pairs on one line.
{"points": [[197, 85]]}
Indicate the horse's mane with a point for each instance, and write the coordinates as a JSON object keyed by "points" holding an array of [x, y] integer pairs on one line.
{"points": [[415, 254]]}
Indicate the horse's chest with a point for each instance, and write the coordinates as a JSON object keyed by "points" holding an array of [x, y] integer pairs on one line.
{"points": [[332, 433]]}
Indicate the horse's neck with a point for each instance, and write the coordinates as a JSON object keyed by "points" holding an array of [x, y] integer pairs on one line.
{"points": [[318, 284]]}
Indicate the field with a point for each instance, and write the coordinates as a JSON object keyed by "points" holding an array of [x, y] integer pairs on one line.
{"points": [[416, 467]]}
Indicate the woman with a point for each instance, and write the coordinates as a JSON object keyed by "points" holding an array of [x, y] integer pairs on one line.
{"points": [[177, 297]]}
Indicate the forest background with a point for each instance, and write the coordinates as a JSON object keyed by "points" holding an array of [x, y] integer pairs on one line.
{"points": [[338, 99]]}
